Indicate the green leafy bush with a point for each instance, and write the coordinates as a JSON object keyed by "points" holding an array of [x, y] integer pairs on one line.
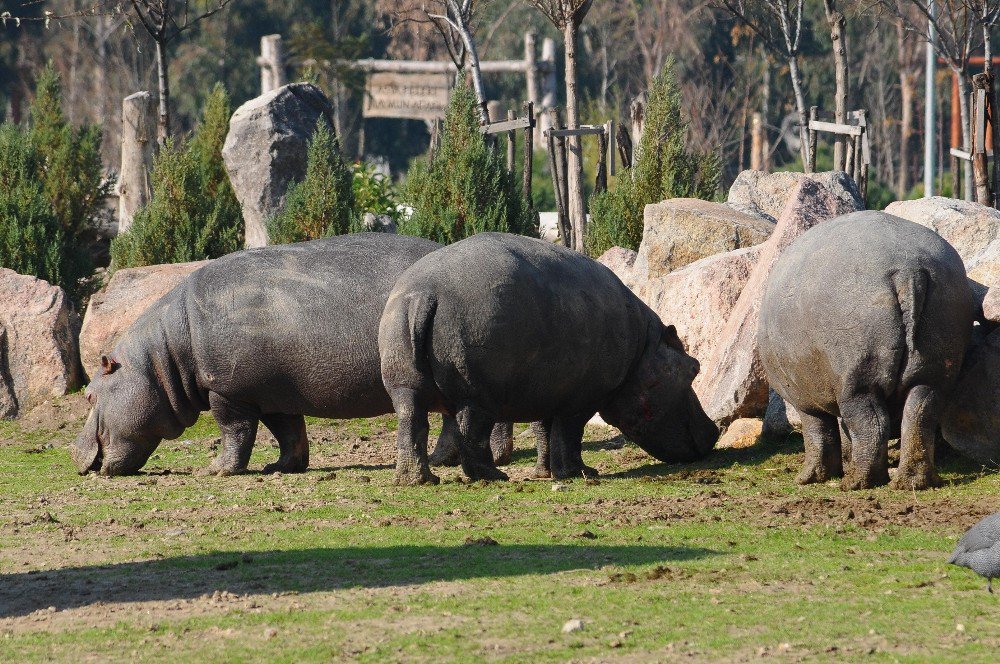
{"points": [[322, 204], [51, 191], [193, 214], [665, 169], [373, 192], [466, 189]]}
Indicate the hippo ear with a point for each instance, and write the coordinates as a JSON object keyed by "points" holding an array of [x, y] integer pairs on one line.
{"points": [[108, 365], [671, 338]]}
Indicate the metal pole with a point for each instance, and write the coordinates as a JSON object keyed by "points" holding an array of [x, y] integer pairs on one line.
{"points": [[930, 107]]}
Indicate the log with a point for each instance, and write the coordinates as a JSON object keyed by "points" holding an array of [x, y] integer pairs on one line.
{"points": [[135, 190]]}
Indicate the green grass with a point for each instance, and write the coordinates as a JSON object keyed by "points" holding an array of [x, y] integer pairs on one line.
{"points": [[722, 560]]}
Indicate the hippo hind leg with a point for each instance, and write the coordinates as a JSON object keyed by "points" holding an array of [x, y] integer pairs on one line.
{"points": [[822, 441], [475, 428], [446, 452], [919, 430], [411, 439], [566, 447], [502, 443], [542, 431], [868, 422], [238, 424], [290, 430]]}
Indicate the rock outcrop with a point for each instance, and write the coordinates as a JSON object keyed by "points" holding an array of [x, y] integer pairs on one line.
{"points": [[766, 194]]}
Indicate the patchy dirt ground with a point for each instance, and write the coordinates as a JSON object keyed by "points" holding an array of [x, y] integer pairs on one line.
{"points": [[337, 562]]}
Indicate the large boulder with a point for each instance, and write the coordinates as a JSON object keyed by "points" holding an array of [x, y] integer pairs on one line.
{"points": [[621, 261], [265, 150], [39, 358], [114, 308], [680, 231], [698, 298], [733, 384], [766, 194], [972, 418]]}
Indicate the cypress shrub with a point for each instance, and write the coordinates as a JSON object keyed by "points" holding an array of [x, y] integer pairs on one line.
{"points": [[323, 203], [466, 189], [665, 169], [193, 214]]}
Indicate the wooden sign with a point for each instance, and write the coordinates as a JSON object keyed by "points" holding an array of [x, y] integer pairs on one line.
{"points": [[414, 96]]}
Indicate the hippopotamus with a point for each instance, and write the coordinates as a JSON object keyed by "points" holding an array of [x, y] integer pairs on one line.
{"points": [[501, 327], [867, 317], [264, 335]]}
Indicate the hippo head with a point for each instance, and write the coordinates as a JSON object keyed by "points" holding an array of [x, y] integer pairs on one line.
{"points": [[129, 418], [657, 407]]}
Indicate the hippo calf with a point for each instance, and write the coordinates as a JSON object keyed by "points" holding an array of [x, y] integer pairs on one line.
{"points": [[265, 335], [867, 317], [502, 327]]}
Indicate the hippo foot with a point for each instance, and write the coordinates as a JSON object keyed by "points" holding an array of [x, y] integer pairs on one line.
{"points": [[574, 472], [856, 481], [484, 472], [416, 477], [816, 474], [541, 473], [283, 465], [910, 480], [222, 468], [444, 457]]}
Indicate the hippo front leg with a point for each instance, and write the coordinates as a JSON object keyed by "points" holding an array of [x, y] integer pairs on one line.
{"points": [[475, 428], [411, 440], [566, 447], [446, 451], [868, 422], [823, 456], [290, 431], [238, 424], [502, 442], [917, 436], [542, 431]]}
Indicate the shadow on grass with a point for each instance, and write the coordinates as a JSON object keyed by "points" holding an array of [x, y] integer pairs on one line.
{"points": [[310, 570]]}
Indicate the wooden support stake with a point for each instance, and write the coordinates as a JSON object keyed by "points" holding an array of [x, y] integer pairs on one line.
{"points": [[557, 164], [510, 145], [135, 190], [624, 141], [601, 183], [549, 87], [980, 165], [757, 142], [811, 166], [529, 156]]}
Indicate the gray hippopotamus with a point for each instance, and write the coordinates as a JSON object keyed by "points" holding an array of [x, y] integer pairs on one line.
{"points": [[502, 327], [867, 317], [265, 335]]}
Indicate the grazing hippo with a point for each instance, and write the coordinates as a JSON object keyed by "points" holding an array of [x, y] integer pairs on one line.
{"points": [[265, 335], [867, 317], [502, 327]]}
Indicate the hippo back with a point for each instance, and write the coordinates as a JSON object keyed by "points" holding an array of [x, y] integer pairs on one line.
{"points": [[293, 328]]}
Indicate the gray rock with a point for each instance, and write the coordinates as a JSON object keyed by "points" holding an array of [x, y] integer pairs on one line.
{"points": [[972, 417], [780, 418], [265, 150], [621, 261], [39, 357], [766, 194], [378, 223]]}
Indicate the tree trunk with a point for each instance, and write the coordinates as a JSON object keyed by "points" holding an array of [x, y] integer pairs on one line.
{"points": [[907, 94], [163, 124], [138, 128], [838, 37], [470, 48], [963, 104], [800, 108], [574, 168]]}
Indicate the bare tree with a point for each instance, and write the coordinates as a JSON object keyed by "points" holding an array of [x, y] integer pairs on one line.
{"points": [[838, 38], [955, 23], [165, 20], [567, 16], [453, 21], [778, 24]]}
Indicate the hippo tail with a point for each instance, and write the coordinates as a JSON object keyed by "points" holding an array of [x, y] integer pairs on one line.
{"points": [[911, 294], [404, 340]]}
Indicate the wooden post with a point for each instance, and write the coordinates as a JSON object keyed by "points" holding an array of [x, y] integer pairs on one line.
{"points": [[991, 114], [529, 162], [511, 148], [757, 142], [549, 87], [139, 117], [272, 63], [531, 68], [980, 165], [863, 157], [624, 142], [601, 183], [610, 129], [813, 116], [557, 164]]}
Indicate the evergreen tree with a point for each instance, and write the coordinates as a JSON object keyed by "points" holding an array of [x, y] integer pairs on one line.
{"points": [[193, 214], [322, 204], [665, 169], [466, 189]]}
